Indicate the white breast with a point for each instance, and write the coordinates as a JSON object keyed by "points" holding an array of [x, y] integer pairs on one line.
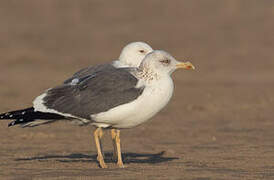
{"points": [[155, 96]]}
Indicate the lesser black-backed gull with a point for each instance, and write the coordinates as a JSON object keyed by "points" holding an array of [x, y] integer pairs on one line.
{"points": [[115, 98]]}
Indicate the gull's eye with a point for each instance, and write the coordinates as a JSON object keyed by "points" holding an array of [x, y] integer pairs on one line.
{"points": [[141, 51], [165, 61]]}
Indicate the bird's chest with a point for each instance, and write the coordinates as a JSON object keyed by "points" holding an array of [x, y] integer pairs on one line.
{"points": [[155, 98]]}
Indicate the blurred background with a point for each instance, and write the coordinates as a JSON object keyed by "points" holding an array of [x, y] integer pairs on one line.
{"points": [[228, 100]]}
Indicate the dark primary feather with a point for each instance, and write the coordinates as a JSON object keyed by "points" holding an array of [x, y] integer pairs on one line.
{"points": [[28, 115], [97, 93], [16, 114]]}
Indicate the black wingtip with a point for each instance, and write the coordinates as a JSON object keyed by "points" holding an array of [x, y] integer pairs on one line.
{"points": [[11, 123], [4, 115]]}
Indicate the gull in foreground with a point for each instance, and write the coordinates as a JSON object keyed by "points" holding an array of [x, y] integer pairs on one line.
{"points": [[114, 98]]}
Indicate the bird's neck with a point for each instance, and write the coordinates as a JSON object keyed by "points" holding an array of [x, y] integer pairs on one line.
{"points": [[148, 77], [147, 74]]}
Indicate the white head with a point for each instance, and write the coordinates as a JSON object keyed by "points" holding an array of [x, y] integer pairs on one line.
{"points": [[133, 53], [161, 63]]}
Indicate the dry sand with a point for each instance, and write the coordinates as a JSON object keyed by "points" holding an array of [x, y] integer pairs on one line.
{"points": [[218, 125]]}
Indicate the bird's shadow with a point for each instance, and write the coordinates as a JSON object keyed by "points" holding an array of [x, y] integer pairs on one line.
{"points": [[127, 158]]}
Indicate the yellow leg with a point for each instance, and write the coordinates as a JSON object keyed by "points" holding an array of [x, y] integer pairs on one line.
{"points": [[98, 133], [118, 146], [113, 137]]}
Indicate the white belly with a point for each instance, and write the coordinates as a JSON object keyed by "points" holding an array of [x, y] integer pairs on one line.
{"points": [[152, 100]]}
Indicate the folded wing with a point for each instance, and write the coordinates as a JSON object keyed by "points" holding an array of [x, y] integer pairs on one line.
{"points": [[92, 94]]}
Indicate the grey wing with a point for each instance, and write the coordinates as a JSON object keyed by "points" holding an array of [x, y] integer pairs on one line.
{"points": [[94, 94], [88, 71]]}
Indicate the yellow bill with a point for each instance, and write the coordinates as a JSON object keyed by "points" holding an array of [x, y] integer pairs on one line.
{"points": [[185, 65]]}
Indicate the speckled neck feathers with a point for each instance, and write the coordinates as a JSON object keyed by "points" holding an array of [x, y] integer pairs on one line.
{"points": [[146, 73]]}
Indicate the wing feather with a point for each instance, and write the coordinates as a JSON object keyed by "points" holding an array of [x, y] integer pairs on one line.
{"points": [[94, 94]]}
